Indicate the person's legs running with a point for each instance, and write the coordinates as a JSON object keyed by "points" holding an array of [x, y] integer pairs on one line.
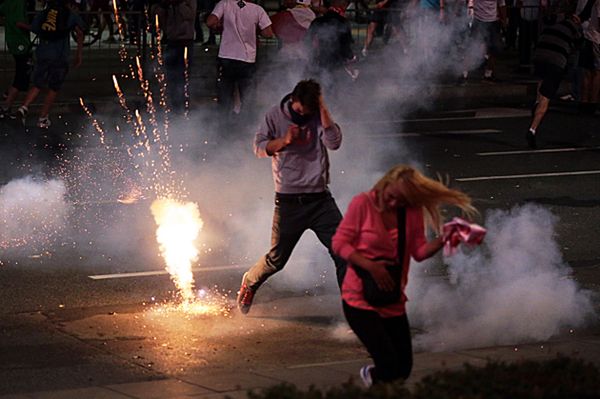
{"points": [[399, 329], [225, 85], [370, 328], [289, 223], [325, 222]]}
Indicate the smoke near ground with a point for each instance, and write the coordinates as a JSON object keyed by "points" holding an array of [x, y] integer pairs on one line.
{"points": [[515, 288], [33, 214]]}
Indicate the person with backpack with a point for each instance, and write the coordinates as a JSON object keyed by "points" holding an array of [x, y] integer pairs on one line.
{"points": [[19, 45], [53, 26]]}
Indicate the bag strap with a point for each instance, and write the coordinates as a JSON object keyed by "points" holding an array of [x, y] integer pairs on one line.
{"points": [[401, 217]]}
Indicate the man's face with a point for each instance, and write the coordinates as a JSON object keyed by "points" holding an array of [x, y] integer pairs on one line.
{"points": [[300, 108]]}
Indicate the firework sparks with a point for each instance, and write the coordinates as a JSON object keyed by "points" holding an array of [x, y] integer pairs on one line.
{"points": [[179, 226], [186, 76]]}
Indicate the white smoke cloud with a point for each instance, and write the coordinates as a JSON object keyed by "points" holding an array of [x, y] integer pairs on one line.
{"points": [[515, 288], [33, 213]]}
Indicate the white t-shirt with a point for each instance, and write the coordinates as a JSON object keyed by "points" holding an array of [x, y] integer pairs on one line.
{"points": [[238, 41], [487, 10]]}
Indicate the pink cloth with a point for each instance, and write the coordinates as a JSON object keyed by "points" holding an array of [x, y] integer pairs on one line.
{"points": [[459, 230]]}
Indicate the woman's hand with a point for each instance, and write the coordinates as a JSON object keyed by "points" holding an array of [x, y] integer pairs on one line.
{"points": [[380, 274]]}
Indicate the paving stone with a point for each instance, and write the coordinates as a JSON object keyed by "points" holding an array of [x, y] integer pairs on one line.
{"points": [[162, 389], [222, 382], [87, 393]]}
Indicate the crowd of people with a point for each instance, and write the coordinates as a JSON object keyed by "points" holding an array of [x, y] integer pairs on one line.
{"points": [[317, 38]]}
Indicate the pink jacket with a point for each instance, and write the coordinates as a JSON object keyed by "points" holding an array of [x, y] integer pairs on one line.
{"points": [[362, 230]]}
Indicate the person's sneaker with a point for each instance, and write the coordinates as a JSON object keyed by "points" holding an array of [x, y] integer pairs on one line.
{"points": [[4, 113], [365, 375], [44, 122], [530, 137], [20, 114], [567, 97], [245, 296], [364, 52]]}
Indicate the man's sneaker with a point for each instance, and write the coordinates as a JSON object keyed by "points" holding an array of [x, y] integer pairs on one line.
{"points": [[20, 114], [245, 296], [364, 52], [530, 137], [44, 122], [365, 375], [4, 113]]}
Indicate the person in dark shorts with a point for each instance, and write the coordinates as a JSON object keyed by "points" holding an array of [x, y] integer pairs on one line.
{"points": [[19, 46], [53, 25], [550, 61], [378, 15]]}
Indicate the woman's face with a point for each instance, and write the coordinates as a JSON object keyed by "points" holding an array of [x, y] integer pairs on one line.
{"points": [[393, 196]]}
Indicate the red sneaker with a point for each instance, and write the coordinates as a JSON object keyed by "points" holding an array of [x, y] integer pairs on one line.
{"points": [[245, 296]]}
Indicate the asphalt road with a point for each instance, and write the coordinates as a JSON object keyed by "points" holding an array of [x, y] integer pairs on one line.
{"points": [[59, 328]]}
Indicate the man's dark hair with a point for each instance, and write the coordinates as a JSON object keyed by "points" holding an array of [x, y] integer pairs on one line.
{"points": [[308, 93]]}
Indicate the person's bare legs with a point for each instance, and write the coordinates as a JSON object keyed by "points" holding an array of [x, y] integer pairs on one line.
{"points": [[31, 96], [540, 110], [369, 38], [12, 94], [48, 102]]}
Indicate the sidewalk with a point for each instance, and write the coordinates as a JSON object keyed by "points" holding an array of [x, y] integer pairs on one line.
{"points": [[235, 383]]}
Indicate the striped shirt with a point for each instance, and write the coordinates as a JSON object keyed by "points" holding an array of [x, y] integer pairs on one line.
{"points": [[556, 43]]}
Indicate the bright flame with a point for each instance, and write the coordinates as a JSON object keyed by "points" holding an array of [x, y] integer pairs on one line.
{"points": [[179, 225]]}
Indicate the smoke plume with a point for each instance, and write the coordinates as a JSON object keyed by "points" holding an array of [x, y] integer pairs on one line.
{"points": [[515, 288]]}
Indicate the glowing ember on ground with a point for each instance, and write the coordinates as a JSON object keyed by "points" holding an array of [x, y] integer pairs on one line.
{"points": [[179, 225], [213, 303]]}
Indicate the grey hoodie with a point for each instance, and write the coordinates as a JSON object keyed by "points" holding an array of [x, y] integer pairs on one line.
{"points": [[301, 167]]}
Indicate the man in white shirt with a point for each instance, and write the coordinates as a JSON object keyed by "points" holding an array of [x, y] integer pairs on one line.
{"points": [[240, 20]]}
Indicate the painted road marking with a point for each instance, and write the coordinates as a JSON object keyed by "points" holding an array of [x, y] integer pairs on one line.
{"points": [[161, 272], [436, 133], [491, 113], [544, 151], [527, 176]]}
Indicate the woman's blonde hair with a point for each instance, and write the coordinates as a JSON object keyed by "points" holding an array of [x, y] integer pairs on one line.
{"points": [[421, 191]]}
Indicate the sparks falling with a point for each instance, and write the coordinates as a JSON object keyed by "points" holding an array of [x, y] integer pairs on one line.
{"points": [[179, 225]]}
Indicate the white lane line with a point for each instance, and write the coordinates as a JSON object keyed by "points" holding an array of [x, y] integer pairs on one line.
{"points": [[544, 151], [527, 176], [435, 133], [161, 272], [478, 114]]}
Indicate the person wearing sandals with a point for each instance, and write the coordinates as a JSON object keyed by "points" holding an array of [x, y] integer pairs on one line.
{"points": [[381, 230]]}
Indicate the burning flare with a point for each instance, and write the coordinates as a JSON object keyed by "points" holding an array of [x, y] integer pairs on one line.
{"points": [[179, 225]]}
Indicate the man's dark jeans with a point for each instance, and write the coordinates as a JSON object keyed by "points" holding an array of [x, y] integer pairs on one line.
{"points": [[293, 215]]}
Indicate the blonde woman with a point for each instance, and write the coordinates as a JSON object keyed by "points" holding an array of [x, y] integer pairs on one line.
{"points": [[368, 239]]}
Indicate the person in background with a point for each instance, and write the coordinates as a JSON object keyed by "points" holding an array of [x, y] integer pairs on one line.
{"points": [[329, 41], [589, 58], [19, 45], [555, 45], [177, 20], [53, 25], [240, 21], [296, 134], [290, 27], [368, 239], [489, 16]]}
